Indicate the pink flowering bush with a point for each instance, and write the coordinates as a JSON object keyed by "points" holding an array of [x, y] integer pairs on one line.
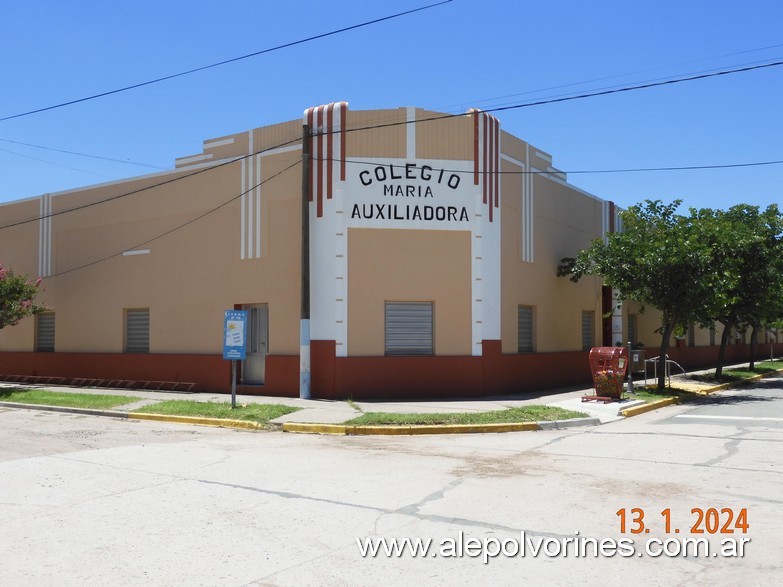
{"points": [[17, 297]]}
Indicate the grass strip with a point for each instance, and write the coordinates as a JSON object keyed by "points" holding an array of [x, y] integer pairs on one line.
{"points": [[260, 413], [740, 374], [64, 398], [511, 415]]}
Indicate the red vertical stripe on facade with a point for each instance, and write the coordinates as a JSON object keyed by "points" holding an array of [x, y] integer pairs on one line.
{"points": [[343, 114], [475, 147], [310, 139], [611, 217], [492, 170], [497, 161], [320, 162], [485, 155], [329, 150]]}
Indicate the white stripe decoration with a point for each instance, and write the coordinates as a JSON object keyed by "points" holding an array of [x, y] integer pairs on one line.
{"points": [[45, 237], [250, 206]]}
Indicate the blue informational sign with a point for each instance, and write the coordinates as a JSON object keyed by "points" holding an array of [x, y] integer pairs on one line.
{"points": [[235, 335]]}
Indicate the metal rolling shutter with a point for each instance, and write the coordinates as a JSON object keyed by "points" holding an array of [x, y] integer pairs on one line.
{"points": [[525, 329], [588, 324], [409, 328], [137, 331], [44, 335]]}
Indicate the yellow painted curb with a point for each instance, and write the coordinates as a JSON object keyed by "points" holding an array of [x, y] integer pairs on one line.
{"points": [[303, 428], [244, 424], [636, 410], [407, 430]]}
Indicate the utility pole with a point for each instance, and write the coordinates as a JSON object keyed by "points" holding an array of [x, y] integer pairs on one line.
{"points": [[304, 322]]}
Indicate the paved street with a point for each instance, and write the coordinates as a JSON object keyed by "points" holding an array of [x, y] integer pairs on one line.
{"points": [[91, 501]]}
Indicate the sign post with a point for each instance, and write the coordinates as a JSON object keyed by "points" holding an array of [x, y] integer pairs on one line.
{"points": [[234, 345]]}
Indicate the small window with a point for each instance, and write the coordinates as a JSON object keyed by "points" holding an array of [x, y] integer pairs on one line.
{"points": [[44, 332], [632, 332], [137, 331], [588, 330], [408, 328], [691, 334], [712, 335], [525, 329]]}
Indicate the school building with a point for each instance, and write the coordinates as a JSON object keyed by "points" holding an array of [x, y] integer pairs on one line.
{"points": [[433, 244]]}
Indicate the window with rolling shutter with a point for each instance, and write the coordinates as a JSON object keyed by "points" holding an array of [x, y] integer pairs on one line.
{"points": [[44, 332], [525, 329], [409, 327], [137, 331], [588, 329]]}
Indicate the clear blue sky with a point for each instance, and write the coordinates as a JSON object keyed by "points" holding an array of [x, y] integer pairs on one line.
{"points": [[449, 58]]}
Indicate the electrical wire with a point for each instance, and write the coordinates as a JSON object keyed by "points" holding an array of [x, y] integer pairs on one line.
{"points": [[448, 116], [176, 228], [225, 62], [574, 172], [594, 94], [56, 164], [149, 187], [127, 162]]}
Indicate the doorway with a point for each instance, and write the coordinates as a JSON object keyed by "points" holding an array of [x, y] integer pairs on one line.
{"points": [[254, 366]]}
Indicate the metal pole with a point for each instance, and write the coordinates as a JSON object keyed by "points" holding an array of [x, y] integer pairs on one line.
{"points": [[630, 369], [233, 383], [304, 322]]}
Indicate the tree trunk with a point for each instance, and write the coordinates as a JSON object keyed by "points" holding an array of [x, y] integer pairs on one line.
{"points": [[724, 341], [667, 332], [753, 339]]}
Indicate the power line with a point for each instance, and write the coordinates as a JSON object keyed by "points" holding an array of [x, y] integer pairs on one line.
{"points": [[127, 162], [149, 187], [448, 116], [53, 163], [577, 171], [615, 76], [225, 62], [176, 228], [594, 94]]}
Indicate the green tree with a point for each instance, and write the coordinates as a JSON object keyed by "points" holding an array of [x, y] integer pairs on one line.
{"points": [[655, 260], [747, 271], [17, 297]]}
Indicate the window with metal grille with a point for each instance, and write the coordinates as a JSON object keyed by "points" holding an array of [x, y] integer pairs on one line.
{"points": [[44, 332], [691, 334], [525, 329], [632, 329], [409, 327], [588, 330], [137, 330]]}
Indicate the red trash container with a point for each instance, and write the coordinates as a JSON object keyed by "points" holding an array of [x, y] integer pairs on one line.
{"points": [[608, 365]]}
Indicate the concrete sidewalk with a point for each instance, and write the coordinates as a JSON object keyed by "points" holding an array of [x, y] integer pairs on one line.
{"points": [[319, 411], [315, 411]]}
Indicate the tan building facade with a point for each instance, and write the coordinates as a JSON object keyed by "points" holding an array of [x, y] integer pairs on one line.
{"points": [[433, 247]]}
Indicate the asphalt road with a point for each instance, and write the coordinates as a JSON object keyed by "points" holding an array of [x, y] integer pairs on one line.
{"points": [[95, 501], [761, 406]]}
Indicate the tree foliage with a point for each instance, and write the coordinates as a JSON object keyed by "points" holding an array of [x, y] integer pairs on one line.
{"points": [[748, 270], [17, 297], [656, 260], [708, 266]]}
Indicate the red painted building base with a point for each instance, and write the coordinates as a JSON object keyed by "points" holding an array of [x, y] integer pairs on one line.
{"points": [[361, 378]]}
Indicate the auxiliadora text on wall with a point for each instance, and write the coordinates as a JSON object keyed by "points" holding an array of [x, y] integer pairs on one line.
{"points": [[409, 181]]}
